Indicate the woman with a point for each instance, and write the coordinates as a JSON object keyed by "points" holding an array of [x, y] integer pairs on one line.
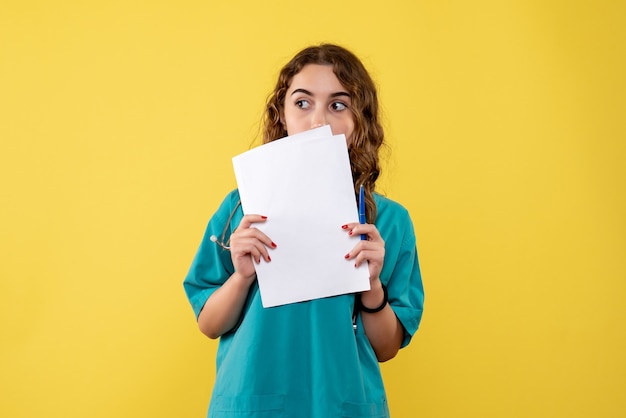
{"points": [[317, 358]]}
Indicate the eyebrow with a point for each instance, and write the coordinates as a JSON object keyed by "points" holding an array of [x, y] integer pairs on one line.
{"points": [[308, 93]]}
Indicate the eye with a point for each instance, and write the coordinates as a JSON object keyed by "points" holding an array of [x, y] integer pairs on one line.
{"points": [[338, 106], [303, 104]]}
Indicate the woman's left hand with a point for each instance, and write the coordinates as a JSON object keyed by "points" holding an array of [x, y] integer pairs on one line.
{"points": [[371, 249]]}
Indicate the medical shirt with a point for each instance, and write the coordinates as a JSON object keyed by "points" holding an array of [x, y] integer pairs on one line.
{"points": [[304, 359]]}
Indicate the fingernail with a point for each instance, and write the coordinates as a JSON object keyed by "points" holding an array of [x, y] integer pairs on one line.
{"points": [[348, 255], [263, 217], [269, 258], [350, 233], [344, 226], [273, 245]]}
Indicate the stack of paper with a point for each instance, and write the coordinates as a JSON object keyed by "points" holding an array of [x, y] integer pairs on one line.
{"points": [[303, 184]]}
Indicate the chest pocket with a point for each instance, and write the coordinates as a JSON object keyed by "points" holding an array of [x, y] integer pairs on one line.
{"points": [[260, 406]]}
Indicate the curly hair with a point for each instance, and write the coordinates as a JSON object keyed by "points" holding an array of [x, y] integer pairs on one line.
{"points": [[368, 135]]}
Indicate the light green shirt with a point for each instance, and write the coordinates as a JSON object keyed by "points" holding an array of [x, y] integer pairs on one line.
{"points": [[304, 359]]}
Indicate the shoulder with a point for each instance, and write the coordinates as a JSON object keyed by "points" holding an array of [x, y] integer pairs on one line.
{"points": [[232, 197], [229, 209], [387, 207], [393, 220], [231, 201]]}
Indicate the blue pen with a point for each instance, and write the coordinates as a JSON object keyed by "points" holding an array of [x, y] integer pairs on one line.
{"points": [[362, 209]]}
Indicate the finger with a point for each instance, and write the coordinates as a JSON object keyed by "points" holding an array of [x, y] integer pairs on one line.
{"points": [[373, 258], [249, 252], [367, 250], [252, 246], [256, 254], [244, 235], [248, 220], [360, 259], [354, 229], [360, 247], [260, 250], [245, 229], [369, 230]]}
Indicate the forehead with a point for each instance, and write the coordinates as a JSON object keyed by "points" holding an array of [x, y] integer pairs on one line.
{"points": [[318, 77]]}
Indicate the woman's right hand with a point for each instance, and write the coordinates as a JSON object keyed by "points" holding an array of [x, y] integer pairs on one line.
{"points": [[248, 243], [224, 308]]}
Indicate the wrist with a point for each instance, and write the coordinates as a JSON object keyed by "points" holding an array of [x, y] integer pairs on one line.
{"points": [[374, 300], [242, 280]]}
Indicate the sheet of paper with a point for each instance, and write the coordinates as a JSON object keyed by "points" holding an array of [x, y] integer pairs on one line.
{"points": [[303, 184]]}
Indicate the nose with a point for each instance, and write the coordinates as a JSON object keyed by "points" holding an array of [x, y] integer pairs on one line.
{"points": [[318, 118]]}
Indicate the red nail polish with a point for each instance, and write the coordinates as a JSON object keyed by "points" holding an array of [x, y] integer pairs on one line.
{"points": [[347, 255], [263, 217], [273, 245], [269, 258], [344, 226], [350, 233]]}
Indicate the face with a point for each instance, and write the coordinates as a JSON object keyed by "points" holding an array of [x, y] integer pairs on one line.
{"points": [[316, 98]]}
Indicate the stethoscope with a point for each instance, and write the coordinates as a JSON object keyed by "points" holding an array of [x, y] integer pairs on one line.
{"points": [[224, 245], [220, 242]]}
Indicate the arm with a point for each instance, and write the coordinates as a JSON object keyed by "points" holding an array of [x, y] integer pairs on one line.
{"points": [[222, 310], [383, 329]]}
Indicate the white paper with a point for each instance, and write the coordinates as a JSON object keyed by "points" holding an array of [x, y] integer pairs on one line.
{"points": [[303, 184]]}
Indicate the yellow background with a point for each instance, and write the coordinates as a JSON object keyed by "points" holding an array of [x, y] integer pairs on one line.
{"points": [[505, 121]]}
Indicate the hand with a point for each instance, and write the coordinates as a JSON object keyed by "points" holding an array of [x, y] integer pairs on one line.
{"points": [[248, 243], [371, 250]]}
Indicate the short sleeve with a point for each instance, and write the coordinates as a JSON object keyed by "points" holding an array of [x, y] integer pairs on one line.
{"points": [[212, 265], [401, 271], [408, 302]]}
